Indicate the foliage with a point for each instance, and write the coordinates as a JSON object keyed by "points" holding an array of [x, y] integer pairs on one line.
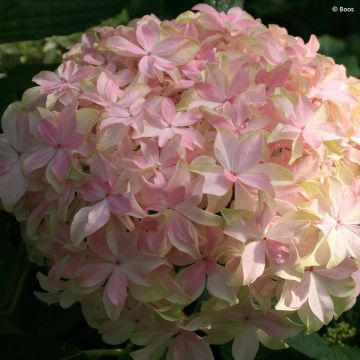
{"points": [[36, 19], [339, 334], [316, 347]]}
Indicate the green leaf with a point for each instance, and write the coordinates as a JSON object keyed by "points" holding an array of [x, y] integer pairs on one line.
{"points": [[225, 351], [338, 49], [264, 353], [351, 62], [331, 46], [36, 19], [312, 345], [27, 347], [285, 354], [315, 347]]}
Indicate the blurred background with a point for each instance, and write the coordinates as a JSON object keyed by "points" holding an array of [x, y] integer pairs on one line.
{"points": [[33, 36]]}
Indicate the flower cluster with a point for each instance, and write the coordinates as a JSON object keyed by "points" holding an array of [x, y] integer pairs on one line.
{"points": [[191, 182]]}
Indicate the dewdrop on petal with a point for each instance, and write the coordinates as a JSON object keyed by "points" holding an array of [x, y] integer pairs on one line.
{"points": [[207, 160]]}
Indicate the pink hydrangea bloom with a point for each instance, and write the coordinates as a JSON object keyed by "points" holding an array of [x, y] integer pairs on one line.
{"points": [[208, 160]]}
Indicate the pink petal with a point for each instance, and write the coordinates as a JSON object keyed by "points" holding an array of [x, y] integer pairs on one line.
{"points": [[272, 54], [119, 204], [150, 151], [38, 159], [198, 348], [8, 157], [216, 184], [274, 78], [147, 66], [178, 50], [48, 81], [60, 165], [80, 74], [337, 243], [93, 274], [13, 185], [148, 35], [48, 132], [92, 190], [257, 181], [155, 198], [88, 220], [57, 270], [351, 235], [239, 228], [117, 287], [240, 82], [251, 149], [217, 120], [99, 245], [183, 235], [303, 112], [322, 132], [218, 77], [168, 110], [156, 241], [136, 274], [277, 251], [164, 136], [274, 324], [192, 279], [131, 96], [186, 119], [206, 9], [341, 272], [67, 121], [202, 217], [116, 332], [253, 261], [15, 127], [73, 141], [246, 345], [123, 47], [319, 300], [107, 87], [190, 138], [299, 292], [217, 284], [67, 69], [264, 217], [209, 91], [235, 154]]}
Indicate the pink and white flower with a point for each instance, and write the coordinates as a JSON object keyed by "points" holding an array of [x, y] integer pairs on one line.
{"points": [[207, 164]]}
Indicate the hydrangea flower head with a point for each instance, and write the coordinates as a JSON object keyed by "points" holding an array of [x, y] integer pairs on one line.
{"points": [[191, 182]]}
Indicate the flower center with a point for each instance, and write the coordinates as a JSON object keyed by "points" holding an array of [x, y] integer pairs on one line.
{"points": [[230, 175]]}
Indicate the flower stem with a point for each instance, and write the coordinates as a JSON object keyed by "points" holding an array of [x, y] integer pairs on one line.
{"points": [[104, 352]]}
